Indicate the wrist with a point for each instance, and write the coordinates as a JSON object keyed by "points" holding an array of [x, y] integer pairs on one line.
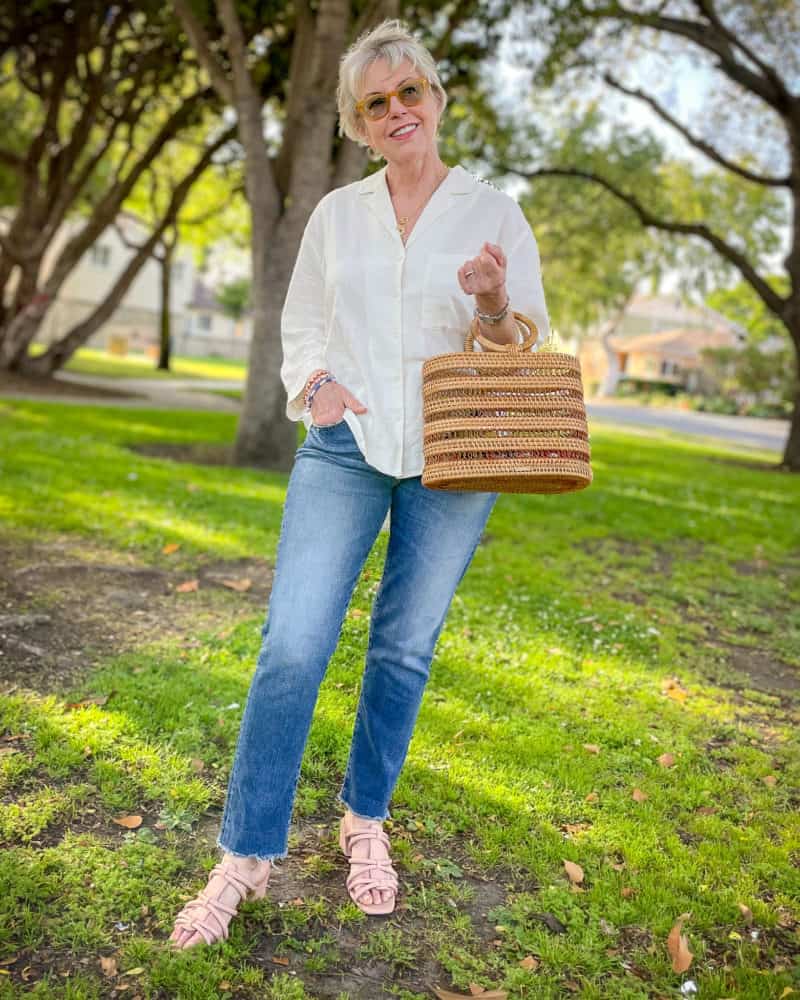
{"points": [[493, 301]]}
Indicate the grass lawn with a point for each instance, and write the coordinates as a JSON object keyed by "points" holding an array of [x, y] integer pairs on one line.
{"points": [[608, 740], [88, 361]]}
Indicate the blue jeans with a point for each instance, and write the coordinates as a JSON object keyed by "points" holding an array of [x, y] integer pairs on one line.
{"points": [[335, 506]]}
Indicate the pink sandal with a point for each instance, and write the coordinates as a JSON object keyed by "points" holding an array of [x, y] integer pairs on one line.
{"points": [[195, 915], [360, 880]]}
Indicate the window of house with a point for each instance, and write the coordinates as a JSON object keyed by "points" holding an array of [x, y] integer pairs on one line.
{"points": [[204, 322], [100, 255]]}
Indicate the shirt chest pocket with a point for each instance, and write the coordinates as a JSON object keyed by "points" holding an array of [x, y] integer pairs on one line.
{"points": [[444, 305]]}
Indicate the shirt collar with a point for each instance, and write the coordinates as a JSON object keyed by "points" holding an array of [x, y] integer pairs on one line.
{"points": [[375, 192]]}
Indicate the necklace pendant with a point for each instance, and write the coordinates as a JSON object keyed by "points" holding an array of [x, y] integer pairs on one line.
{"points": [[401, 225]]}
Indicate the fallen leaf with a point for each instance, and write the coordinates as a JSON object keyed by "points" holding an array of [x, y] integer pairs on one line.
{"points": [[770, 779], [224, 984], [627, 891], [705, 810], [747, 913], [134, 972], [592, 797], [100, 700], [787, 992], [240, 585], [198, 765], [672, 688], [678, 946], [171, 547], [187, 586], [485, 995], [591, 747], [130, 822], [529, 962], [575, 872], [109, 965], [638, 795], [356, 613], [666, 760], [278, 960]]}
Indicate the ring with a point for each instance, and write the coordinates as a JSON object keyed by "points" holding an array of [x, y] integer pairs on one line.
{"points": [[468, 274]]}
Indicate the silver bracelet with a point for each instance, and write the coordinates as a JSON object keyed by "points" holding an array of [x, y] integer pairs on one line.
{"points": [[489, 318]]}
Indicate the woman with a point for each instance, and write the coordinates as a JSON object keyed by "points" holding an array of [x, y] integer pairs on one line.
{"points": [[388, 273]]}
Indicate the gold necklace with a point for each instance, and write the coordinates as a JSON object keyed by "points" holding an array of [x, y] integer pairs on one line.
{"points": [[403, 221]]}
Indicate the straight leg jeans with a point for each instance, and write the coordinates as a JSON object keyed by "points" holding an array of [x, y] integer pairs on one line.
{"points": [[335, 505]]}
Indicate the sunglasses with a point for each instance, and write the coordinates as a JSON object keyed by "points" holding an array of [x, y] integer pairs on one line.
{"points": [[376, 106]]}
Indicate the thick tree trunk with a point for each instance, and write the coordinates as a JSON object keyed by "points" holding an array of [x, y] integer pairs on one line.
{"points": [[265, 438]]}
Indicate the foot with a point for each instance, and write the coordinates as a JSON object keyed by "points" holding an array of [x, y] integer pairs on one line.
{"points": [[362, 849], [206, 918]]}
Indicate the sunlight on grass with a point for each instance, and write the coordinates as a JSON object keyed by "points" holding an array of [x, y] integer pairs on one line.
{"points": [[580, 663]]}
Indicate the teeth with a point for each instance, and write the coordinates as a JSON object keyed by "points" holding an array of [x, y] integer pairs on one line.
{"points": [[404, 129]]}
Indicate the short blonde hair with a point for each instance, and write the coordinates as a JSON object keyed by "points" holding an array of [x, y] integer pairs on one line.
{"points": [[391, 40]]}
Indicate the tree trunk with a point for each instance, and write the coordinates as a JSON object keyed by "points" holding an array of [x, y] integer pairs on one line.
{"points": [[265, 437], [791, 454], [165, 326]]}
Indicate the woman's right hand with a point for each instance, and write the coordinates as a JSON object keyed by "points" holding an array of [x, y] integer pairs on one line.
{"points": [[329, 403]]}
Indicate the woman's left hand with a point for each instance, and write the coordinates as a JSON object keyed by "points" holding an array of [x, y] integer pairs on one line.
{"points": [[488, 269]]}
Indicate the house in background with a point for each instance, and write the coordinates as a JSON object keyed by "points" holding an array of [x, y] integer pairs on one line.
{"points": [[209, 331], [199, 325], [658, 343], [135, 323]]}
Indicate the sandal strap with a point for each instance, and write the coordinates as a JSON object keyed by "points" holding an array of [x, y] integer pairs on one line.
{"points": [[211, 907], [356, 836]]}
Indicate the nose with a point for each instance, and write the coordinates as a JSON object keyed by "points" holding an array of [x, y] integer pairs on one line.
{"points": [[396, 105]]}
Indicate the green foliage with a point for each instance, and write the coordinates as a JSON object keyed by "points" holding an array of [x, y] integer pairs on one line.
{"points": [[234, 297]]}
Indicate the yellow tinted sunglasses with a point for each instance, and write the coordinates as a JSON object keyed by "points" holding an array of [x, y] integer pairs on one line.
{"points": [[376, 106]]}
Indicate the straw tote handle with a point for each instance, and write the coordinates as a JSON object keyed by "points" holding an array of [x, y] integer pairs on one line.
{"points": [[474, 334]]}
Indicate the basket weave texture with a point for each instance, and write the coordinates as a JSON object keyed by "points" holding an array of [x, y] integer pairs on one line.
{"points": [[506, 419]]}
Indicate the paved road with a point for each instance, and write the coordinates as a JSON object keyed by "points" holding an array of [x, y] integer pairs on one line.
{"points": [[755, 432]]}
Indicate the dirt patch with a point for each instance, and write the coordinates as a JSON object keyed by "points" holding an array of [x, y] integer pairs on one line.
{"points": [[28, 385], [765, 671], [62, 607]]}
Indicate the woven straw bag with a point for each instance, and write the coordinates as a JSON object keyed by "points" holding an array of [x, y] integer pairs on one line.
{"points": [[506, 419]]}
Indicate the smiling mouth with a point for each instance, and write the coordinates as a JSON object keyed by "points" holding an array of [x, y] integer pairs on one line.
{"points": [[406, 129]]}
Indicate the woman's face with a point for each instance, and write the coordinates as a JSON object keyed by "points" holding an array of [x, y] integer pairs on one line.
{"points": [[404, 133]]}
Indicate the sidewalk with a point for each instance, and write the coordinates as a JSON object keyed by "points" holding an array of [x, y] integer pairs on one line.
{"points": [[143, 393]]}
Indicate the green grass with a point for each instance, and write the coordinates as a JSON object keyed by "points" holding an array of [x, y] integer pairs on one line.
{"points": [[88, 361], [583, 644]]}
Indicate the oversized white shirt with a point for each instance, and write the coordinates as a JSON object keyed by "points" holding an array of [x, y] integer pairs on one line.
{"points": [[370, 309]]}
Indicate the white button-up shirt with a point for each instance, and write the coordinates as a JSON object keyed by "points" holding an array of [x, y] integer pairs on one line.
{"points": [[370, 309]]}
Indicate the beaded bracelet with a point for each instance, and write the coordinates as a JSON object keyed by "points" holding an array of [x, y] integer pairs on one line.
{"points": [[312, 378], [490, 318], [316, 387]]}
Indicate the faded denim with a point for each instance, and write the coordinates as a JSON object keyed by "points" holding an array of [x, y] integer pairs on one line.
{"points": [[335, 506]]}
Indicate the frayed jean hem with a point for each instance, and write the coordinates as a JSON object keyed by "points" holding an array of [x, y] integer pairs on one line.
{"points": [[341, 801], [258, 857]]}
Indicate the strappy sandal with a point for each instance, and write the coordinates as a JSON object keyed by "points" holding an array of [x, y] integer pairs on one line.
{"points": [[195, 915], [360, 879]]}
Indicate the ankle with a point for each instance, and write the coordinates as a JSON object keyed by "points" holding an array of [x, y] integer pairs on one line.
{"points": [[248, 864]]}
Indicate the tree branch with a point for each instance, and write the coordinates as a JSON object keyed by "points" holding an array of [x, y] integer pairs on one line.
{"points": [[694, 140], [769, 296], [705, 36], [199, 41]]}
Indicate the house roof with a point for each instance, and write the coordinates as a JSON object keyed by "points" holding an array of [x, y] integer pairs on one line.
{"points": [[684, 343]]}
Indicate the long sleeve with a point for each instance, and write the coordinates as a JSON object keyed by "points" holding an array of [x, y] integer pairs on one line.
{"points": [[524, 272], [303, 317]]}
